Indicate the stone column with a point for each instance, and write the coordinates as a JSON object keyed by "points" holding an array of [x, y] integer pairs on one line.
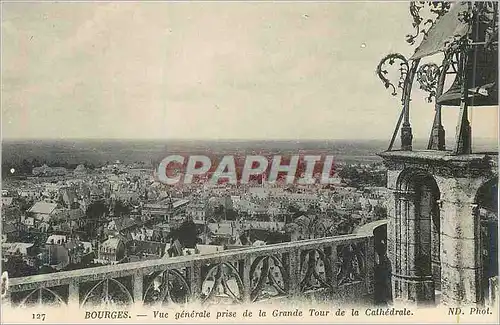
{"points": [[138, 287], [461, 267], [7, 300], [74, 294], [244, 266], [492, 291], [196, 281], [294, 272], [436, 248], [409, 284], [391, 226], [393, 243], [370, 264], [334, 270]]}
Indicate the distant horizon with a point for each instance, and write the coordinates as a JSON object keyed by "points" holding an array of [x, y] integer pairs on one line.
{"points": [[231, 139], [97, 151]]}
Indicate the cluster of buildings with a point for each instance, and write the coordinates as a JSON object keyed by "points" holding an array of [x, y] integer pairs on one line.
{"points": [[118, 213]]}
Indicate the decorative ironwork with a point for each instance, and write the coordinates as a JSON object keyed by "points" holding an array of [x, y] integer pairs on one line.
{"points": [[268, 278], [382, 71], [484, 13], [167, 287], [421, 24], [456, 45], [468, 16], [222, 284], [428, 77], [42, 296], [351, 263], [314, 267], [108, 292]]}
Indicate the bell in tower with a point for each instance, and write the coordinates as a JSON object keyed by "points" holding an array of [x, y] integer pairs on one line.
{"points": [[480, 67], [481, 77]]}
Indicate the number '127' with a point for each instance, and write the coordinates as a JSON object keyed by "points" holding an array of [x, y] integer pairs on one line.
{"points": [[39, 316]]}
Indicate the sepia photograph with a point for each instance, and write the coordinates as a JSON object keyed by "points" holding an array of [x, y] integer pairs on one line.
{"points": [[249, 161]]}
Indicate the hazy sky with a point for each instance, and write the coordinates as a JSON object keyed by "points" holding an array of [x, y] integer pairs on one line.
{"points": [[207, 70]]}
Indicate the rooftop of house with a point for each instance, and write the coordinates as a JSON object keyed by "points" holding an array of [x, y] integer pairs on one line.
{"points": [[8, 228], [14, 247], [56, 239], [125, 223], [223, 228], [180, 203], [142, 257], [43, 208], [111, 243], [6, 201], [263, 224], [208, 249]]}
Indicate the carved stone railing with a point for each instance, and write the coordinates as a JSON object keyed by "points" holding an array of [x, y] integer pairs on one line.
{"points": [[338, 267]]}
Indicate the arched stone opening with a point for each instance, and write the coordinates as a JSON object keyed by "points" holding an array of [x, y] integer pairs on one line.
{"points": [[486, 201], [416, 265]]}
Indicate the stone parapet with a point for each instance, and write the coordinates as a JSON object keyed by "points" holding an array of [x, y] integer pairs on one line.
{"points": [[341, 266]]}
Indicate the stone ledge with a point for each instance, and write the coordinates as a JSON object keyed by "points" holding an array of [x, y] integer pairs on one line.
{"points": [[144, 267], [435, 155], [443, 162]]}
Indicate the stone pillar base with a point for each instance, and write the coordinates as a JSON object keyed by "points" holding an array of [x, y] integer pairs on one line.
{"points": [[437, 138], [462, 286], [413, 290], [406, 138]]}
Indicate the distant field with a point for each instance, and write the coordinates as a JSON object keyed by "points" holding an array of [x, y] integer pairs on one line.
{"points": [[98, 152]]}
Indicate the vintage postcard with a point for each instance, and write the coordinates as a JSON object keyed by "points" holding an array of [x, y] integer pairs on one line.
{"points": [[249, 161]]}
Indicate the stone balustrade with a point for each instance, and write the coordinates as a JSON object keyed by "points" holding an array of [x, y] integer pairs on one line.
{"points": [[338, 267]]}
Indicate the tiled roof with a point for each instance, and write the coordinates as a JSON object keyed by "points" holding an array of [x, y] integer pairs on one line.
{"points": [[111, 243], [13, 247], [179, 203], [43, 207], [125, 223]]}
